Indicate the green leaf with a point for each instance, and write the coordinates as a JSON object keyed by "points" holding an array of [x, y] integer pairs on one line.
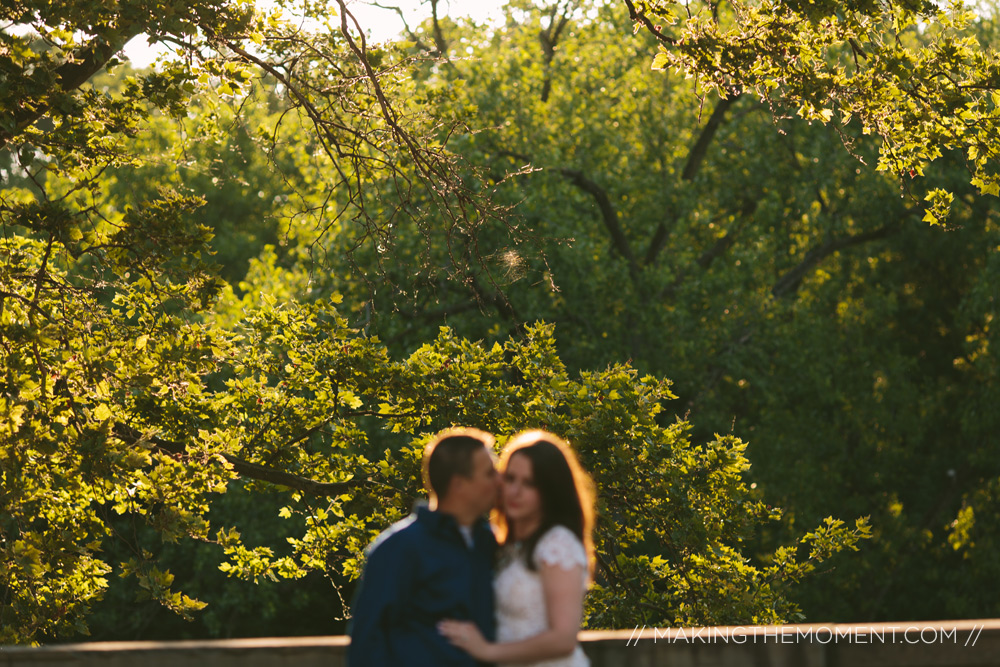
{"points": [[660, 61]]}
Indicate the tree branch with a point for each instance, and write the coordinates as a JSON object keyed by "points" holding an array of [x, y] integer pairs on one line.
{"points": [[789, 283], [657, 243], [439, 41], [638, 17], [288, 480], [608, 215], [71, 75], [549, 38], [721, 245], [697, 154], [406, 26], [245, 468]]}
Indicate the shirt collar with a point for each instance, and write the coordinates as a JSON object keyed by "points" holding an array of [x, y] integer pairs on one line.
{"points": [[444, 524]]}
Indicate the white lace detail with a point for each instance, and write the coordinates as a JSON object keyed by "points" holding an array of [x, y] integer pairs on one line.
{"points": [[559, 546], [520, 600]]}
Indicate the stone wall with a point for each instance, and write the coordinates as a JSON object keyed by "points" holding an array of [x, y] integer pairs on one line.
{"points": [[910, 644]]}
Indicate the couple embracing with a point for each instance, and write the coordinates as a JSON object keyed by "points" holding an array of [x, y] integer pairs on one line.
{"points": [[445, 587]]}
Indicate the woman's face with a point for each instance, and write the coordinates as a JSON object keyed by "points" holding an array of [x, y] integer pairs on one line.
{"points": [[521, 501]]}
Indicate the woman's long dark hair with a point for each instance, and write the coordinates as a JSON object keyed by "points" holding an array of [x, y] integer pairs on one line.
{"points": [[565, 490]]}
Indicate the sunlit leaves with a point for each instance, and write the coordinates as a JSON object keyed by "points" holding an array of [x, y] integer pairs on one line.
{"points": [[135, 396], [915, 74]]}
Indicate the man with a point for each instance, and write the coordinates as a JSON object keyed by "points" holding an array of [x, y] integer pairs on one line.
{"points": [[436, 564]]}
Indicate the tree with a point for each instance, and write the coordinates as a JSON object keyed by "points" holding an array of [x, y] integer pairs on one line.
{"points": [[134, 394], [915, 74], [789, 291]]}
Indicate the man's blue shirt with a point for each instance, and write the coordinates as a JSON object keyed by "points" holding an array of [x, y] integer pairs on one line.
{"points": [[419, 572]]}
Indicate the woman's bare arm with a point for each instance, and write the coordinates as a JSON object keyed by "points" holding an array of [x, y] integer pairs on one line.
{"points": [[563, 593]]}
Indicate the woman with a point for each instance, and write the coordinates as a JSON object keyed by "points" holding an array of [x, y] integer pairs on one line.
{"points": [[544, 524]]}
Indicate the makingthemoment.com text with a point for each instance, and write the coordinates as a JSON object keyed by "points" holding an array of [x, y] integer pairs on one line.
{"points": [[881, 634]]}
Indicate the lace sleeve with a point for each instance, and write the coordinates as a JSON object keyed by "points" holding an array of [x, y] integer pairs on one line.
{"points": [[559, 546]]}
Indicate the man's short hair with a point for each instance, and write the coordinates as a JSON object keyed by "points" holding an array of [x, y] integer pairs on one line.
{"points": [[450, 453]]}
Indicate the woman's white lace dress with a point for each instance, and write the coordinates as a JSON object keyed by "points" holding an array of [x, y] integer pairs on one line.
{"points": [[519, 596]]}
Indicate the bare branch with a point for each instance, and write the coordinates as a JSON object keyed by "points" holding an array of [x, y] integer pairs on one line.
{"points": [[406, 26]]}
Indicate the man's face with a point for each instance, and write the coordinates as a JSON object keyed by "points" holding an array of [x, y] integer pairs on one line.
{"points": [[480, 488]]}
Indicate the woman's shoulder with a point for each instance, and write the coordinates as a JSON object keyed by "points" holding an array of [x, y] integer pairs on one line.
{"points": [[560, 546]]}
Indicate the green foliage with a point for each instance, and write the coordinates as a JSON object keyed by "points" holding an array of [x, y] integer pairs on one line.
{"points": [[785, 287], [178, 408], [147, 393], [915, 74]]}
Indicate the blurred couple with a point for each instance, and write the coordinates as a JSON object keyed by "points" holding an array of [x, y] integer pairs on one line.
{"points": [[445, 587]]}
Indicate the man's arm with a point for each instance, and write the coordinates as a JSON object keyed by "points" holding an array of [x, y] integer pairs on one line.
{"points": [[383, 591]]}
